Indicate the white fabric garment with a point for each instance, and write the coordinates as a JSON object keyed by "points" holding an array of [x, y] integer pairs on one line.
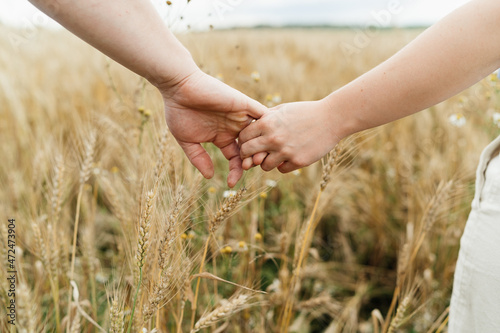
{"points": [[475, 301]]}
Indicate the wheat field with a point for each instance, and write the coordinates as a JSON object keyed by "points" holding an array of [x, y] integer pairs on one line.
{"points": [[365, 241]]}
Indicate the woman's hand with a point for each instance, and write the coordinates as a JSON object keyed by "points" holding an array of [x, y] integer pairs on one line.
{"points": [[290, 136], [200, 108]]}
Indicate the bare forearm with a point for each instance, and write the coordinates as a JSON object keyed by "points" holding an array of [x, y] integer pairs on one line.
{"points": [[444, 60], [129, 31]]}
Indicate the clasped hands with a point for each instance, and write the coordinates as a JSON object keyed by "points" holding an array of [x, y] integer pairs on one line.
{"points": [[200, 108]]}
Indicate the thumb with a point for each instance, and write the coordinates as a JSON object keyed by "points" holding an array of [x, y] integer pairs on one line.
{"points": [[198, 157]]}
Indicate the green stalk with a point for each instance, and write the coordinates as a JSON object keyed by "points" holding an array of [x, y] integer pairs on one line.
{"points": [[135, 300]]}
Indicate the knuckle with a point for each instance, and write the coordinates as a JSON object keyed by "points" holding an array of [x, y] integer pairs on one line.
{"points": [[276, 140], [266, 167], [243, 151], [266, 125], [283, 169], [299, 161], [286, 152]]}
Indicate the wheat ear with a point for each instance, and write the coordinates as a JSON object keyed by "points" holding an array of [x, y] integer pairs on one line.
{"points": [[142, 246], [229, 307], [228, 206], [84, 176]]}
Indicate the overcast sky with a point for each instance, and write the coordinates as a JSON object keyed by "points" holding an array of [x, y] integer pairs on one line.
{"points": [[199, 14]]}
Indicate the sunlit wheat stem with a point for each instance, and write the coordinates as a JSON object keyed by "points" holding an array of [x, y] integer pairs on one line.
{"points": [[142, 246], [84, 176], [228, 206], [290, 299]]}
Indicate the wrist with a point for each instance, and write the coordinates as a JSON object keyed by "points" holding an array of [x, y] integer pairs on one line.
{"points": [[172, 72], [342, 121]]}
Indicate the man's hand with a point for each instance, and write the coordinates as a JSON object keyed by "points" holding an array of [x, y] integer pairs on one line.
{"points": [[200, 108]]}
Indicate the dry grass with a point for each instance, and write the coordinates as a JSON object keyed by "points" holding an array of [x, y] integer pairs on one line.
{"points": [[84, 140]]}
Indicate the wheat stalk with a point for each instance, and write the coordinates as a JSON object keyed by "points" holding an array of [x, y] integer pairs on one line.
{"points": [[116, 318], [331, 163], [41, 248], [185, 289], [224, 211], [160, 293], [225, 310], [142, 245], [170, 231], [400, 314], [76, 326], [27, 313], [84, 176], [57, 189]]}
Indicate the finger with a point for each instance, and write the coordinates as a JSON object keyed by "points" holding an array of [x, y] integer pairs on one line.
{"points": [[252, 131], [258, 158], [253, 147], [255, 109], [271, 161], [198, 157], [235, 171], [247, 163], [232, 153], [286, 167]]}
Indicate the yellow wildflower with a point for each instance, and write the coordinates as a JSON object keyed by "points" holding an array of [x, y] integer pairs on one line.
{"points": [[226, 250], [219, 77]]}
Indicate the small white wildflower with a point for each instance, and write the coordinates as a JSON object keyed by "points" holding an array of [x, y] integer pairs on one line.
{"points": [[145, 330], [428, 276], [457, 120], [101, 278], [275, 286], [228, 194], [39, 266], [276, 98], [255, 76], [296, 172], [496, 118], [271, 183]]}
